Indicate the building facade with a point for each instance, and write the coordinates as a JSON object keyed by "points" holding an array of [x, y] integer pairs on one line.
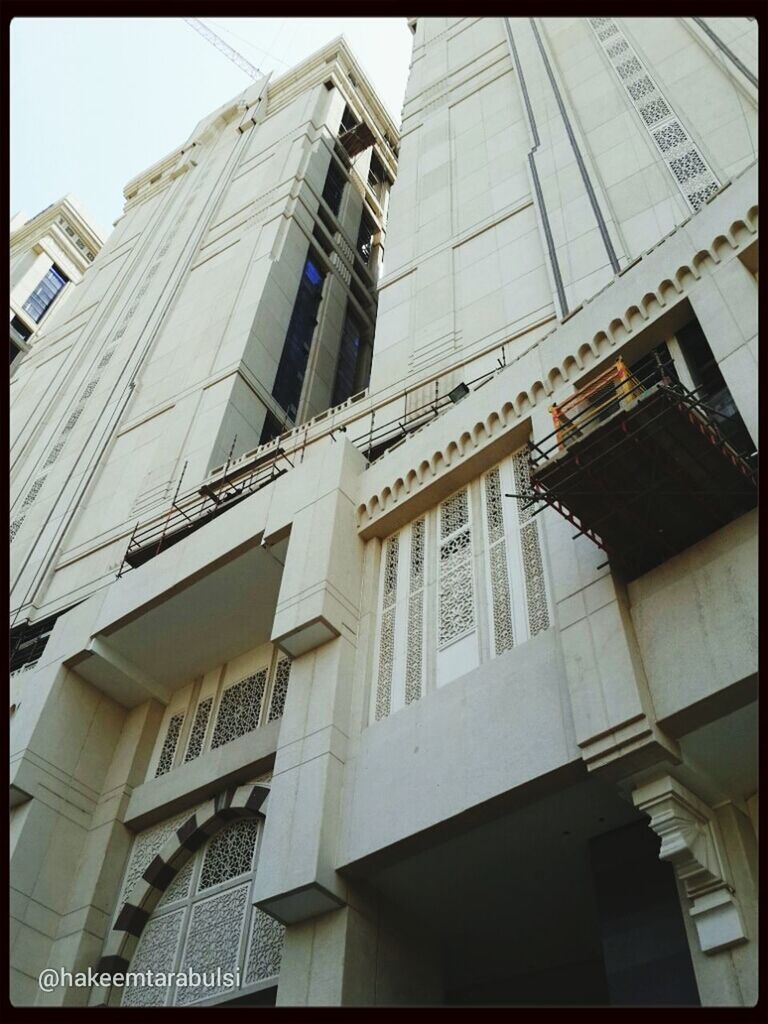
{"points": [[442, 691], [49, 255]]}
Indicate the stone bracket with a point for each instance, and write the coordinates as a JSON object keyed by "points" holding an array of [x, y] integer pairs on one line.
{"points": [[692, 843]]}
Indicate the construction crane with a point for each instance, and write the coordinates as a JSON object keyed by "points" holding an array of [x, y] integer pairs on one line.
{"points": [[227, 50]]}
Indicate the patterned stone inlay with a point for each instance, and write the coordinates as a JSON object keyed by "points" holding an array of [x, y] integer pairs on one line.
{"points": [[229, 854], [387, 629], [414, 657], [156, 951], [279, 689], [693, 176], [456, 600], [501, 599], [199, 728], [213, 941], [239, 709], [168, 753], [265, 947]]}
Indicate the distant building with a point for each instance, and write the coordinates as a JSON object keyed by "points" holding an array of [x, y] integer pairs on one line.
{"points": [[443, 690], [49, 255]]}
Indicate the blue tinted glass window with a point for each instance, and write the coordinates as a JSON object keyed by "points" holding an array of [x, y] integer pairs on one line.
{"points": [[298, 339], [42, 297], [353, 366]]}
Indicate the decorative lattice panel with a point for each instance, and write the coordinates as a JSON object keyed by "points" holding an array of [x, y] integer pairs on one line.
{"points": [[414, 656], [168, 753], [279, 689], [199, 729], [239, 709], [213, 941], [533, 564], [387, 630], [456, 598], [229, 854], [454, 514], [693, 175], [538, 611], [501, 598], [146, 847], [156, 952], [265, 947], [179, 887]]}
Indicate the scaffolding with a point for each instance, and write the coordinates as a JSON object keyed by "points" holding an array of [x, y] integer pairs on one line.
{"points": [[231, 483], [641, 467]]}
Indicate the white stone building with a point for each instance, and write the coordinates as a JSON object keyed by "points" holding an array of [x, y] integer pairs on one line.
{"points": [[445, 694], [49, 255]]}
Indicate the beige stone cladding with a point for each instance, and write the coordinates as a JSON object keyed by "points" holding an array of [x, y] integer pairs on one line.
{"points": [[50, 254], [386, 713], [165, 364]]}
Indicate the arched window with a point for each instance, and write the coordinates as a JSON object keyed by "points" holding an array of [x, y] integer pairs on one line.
{"points": [[205, 922]]}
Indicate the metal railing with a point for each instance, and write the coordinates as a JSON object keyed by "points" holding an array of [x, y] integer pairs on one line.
{"points": [[600, 398], [229, 484]]}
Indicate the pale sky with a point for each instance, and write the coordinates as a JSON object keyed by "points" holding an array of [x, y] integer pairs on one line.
{"points": [[96, 100]]}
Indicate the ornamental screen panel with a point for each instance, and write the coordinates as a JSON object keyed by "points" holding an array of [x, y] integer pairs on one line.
{"points": [[225, 713], [168, 753], [199, 729], [206, 921], [457, 642], [459, 585], [386, 658], [692, 174], [239, 709]]}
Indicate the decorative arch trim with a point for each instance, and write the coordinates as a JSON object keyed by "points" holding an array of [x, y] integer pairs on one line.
{"points": [[379, 514], [231, 805]]}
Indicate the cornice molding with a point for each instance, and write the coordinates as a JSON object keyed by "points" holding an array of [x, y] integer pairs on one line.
{"points": [[476, 423]]}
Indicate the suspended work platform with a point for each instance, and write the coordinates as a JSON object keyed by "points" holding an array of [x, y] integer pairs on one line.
{"points": [[642, 468]]}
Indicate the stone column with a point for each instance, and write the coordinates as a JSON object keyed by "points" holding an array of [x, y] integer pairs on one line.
{"points": [[363, 954], [613, 711], [316, 622], [725, 304], [77, 755]]}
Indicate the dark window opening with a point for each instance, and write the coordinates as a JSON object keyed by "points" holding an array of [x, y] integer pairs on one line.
{"points": [[348, 121], [45, 293], [322, 239], [20, 328], [655, 367], [377, 177], [14, 351], [355, 136], [28, 641], [272, 428], [333, 189], [365, 239], [711, 388], [354, 364], [298, 339]]}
